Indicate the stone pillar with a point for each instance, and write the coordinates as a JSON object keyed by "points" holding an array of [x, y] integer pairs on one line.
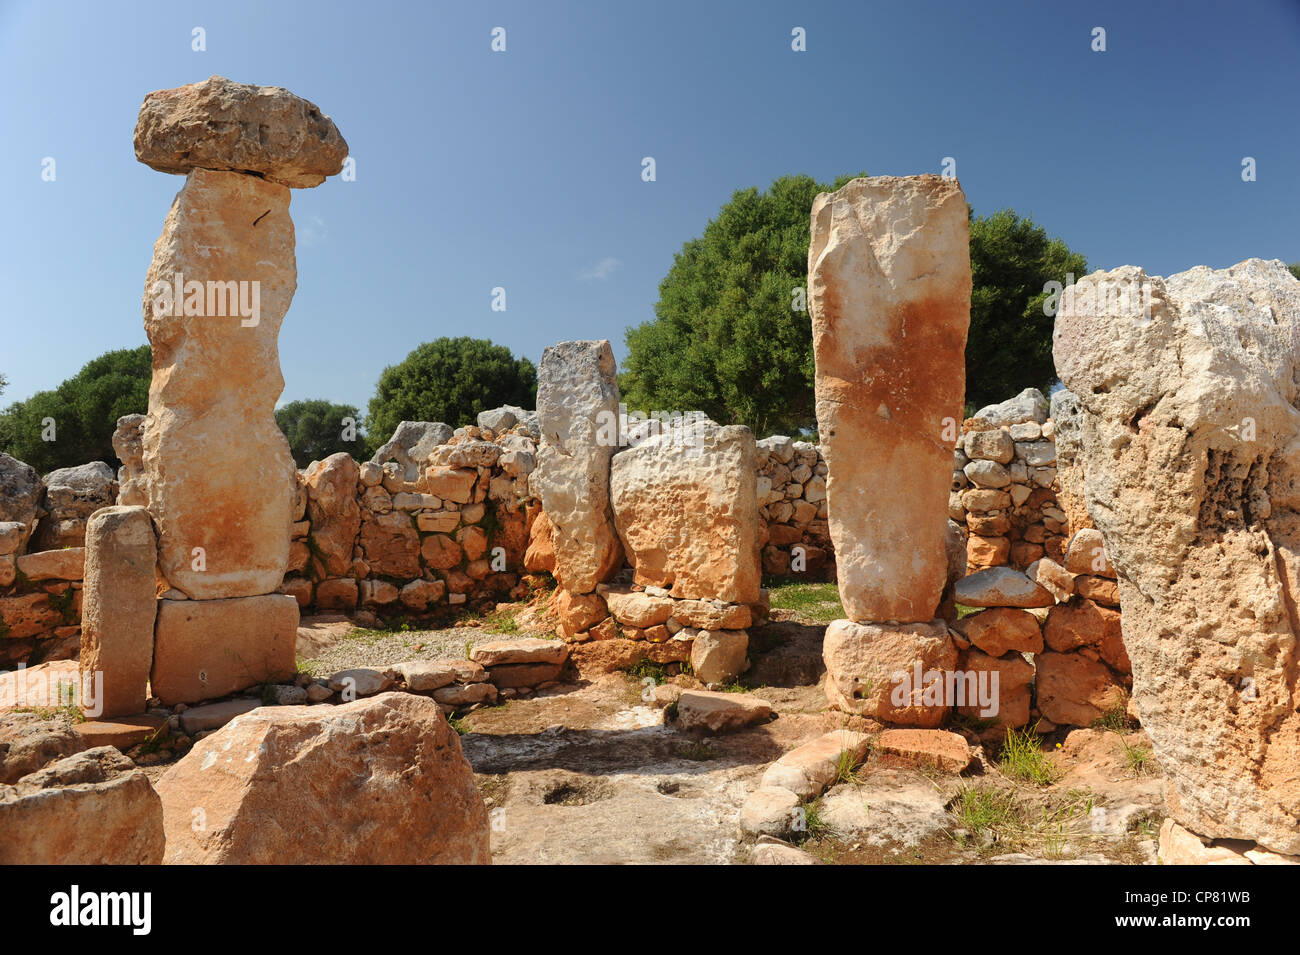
{"points": [[217, 467], [1187, 390], [577, 411], [119, 600], [220, 480], [889, 296]]}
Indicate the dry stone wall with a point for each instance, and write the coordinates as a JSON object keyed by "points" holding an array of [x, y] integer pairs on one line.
{"points": [[792, 508], [365, 538], [1005, 482]]}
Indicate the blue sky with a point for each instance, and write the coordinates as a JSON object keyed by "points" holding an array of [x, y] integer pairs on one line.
{"points": [[522, 169]]}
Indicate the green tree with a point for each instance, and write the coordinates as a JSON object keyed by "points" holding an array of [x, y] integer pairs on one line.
{"points": [[317, 428], [1295, 269], [449, 380], [1009, 347], [726, 340], [82, 413]]}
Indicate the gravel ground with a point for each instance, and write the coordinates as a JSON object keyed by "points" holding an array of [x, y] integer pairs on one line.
{"points": [[380, 649]]}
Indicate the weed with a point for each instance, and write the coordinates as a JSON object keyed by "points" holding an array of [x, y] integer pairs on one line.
{"points": [[1137, 757], [1023, 758], [1116, 719], [648, 668]]}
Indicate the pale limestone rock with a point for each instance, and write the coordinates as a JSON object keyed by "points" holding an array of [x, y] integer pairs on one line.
{"points": [[21, 490], [636, 608], [686, 508], [889, 295], [71, 496], [1001, 587], [120, 603], [219, 124], [718, 656], [1188, 388], [128, 445], [719, 712], [411, 445], [808, 769], [375, 781], [218, 469], [1028, 406], [577, 410], [770, 811]]}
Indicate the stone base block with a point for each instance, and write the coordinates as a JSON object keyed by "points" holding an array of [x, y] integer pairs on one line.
{"points": [[204, 649], [871, 670]]}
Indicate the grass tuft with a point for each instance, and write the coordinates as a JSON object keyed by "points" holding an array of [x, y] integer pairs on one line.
{"points": [[1023, 758]]}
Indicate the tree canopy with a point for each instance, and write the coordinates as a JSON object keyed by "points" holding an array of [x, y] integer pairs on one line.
{"points": [[1009, 346], [74, 423], [729, 338], [317, 428], [449, 380]]}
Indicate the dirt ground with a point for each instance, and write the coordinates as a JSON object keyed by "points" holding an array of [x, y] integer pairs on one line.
{"points": [[595, 773], [592, 773]]}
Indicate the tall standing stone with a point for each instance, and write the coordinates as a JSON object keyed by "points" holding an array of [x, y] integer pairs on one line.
{"points": [[220, 480], [889, 296], [577, 403], [119, 601], [1188, 389], [218, 469]]}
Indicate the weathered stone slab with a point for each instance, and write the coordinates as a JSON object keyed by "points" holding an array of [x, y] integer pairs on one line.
{"points": [[870, 669], [719, 712], [375, 781], [119, 604], [219, 124], [577, 394], [92, 808], [889, 295], [686, 508]]}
